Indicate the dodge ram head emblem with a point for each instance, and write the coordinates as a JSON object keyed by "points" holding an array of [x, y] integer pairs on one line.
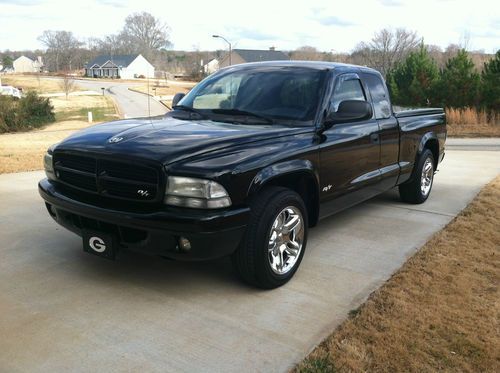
{"points": [[143, 193], [114, 140]]}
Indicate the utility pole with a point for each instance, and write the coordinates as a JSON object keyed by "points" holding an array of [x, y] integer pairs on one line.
{"points": [[230, 49]]}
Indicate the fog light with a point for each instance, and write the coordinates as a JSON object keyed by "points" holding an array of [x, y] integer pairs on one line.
{"points": [[184, 244]]}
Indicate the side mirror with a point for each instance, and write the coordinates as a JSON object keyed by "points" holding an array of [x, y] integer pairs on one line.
{"points": [[177, 98], [350, 111]]}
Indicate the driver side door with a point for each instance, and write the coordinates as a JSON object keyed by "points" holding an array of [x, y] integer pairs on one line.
{"points": [[349, 152]]}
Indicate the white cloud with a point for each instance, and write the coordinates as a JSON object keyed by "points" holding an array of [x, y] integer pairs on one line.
{"points": [[287, 25]]}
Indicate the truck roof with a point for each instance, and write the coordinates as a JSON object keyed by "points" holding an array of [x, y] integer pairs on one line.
{"points": [[320, 65]]}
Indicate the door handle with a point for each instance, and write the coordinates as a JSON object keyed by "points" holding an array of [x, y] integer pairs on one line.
{"points": [[374, 137]]}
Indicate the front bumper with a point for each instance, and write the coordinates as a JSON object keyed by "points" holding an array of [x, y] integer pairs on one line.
{"points": [[212, 233]]}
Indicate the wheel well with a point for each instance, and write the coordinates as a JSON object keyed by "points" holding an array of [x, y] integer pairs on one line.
{"points": [[305, 186], [433, 146]]}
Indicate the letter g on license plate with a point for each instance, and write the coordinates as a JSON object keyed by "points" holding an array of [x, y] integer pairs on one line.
{"points": [[98, 243]]}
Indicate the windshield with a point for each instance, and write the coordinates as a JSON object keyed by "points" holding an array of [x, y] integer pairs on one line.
{"points": [[278, 94]]}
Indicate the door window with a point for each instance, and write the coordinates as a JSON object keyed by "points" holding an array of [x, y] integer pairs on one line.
{"points": [[347, 89]]}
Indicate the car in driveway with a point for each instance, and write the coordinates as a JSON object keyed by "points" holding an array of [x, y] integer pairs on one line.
{"points": [[243, 166], [7, 90]]}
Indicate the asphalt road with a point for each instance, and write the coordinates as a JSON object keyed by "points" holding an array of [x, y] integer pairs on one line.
{"points": [[64, 310], [131, 104]]}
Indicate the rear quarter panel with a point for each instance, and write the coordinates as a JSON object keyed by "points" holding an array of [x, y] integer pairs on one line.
{"points": [[416, 130]]}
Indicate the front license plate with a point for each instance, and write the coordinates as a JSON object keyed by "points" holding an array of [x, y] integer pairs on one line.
{"points": [[98, 243]]}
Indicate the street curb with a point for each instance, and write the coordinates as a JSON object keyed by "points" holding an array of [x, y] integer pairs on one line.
{"points": [[117, 108]]}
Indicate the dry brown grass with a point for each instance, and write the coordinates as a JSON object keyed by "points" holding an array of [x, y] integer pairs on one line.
{"points": [[31, 82], [77, 102], [440, 312], [470, 122], [24, 151], [77, 107], [164, 88]]}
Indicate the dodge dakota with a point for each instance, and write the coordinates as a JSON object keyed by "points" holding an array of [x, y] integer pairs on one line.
{"points": [[245, 163]]}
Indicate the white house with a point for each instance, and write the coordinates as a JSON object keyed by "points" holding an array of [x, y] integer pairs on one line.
{"points": [[211, 66], [120, 66], [24, 64]]}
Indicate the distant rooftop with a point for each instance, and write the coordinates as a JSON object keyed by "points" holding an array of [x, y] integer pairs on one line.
{"points": [[256, 55], [119, 60]]}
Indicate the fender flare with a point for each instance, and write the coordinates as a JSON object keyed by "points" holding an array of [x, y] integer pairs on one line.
{"points": [[425, 138], [280, 169]]}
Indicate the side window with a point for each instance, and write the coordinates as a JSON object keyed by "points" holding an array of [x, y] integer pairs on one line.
{"points": [[346, 89], [379, 96]]}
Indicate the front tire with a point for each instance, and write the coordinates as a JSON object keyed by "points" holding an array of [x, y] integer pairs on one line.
{"points": [[275, 241], [419, 188]]}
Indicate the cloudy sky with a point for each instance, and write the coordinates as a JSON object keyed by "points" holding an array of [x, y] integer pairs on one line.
{"points": [[325, 24]]}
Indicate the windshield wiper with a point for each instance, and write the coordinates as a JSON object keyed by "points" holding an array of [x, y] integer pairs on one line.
{"points": [[188, 109], [238, 112]]}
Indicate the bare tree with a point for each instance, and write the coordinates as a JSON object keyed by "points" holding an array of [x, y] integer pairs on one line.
{"points": [[62, 48], [386, 49], [144, 33], [451, 51], [67, 84], [306, 53]]}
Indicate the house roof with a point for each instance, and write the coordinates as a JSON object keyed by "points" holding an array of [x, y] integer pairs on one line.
{"points": [[256, 55], [119, 60], [23, 57]]}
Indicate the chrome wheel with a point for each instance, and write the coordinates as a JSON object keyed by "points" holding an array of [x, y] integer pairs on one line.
{"points": [[426, 178], [285, 240]]}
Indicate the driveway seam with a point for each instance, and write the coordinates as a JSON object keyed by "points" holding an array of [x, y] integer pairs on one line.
{"points": [[419, 210]]}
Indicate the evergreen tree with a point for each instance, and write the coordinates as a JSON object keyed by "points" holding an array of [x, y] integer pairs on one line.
{"points": [[7, 61], [459, 82], [490, 87], [412, 82]]}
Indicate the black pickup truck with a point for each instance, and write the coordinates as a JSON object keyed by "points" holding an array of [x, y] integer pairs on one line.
{"points": [[243, 166]]}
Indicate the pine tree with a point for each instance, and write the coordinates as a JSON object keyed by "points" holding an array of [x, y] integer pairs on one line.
{"points": [[490, 87], [412, 82], [459, 82]]}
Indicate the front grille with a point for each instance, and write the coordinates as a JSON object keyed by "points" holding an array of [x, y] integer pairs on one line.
{"points": [[114, 179]]}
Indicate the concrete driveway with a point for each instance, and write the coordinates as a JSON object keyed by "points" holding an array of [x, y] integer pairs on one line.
{"points": [[64, 310]]}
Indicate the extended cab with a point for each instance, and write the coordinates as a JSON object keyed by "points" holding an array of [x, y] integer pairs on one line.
{"points": [[243, 165]]}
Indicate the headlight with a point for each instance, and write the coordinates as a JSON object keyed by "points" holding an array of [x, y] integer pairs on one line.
{"points": [[195, 193], [48, 164]]}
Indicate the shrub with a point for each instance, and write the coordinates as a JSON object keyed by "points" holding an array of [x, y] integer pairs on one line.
{"points": [[8, 113], [31, 111], [35, 111]]}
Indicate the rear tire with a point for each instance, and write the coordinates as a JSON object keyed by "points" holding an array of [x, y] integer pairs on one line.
{"points": [[418, 189], [275, 241]]}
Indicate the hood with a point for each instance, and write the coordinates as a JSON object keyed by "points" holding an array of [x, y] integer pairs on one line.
{"points": [[166, 139]]}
